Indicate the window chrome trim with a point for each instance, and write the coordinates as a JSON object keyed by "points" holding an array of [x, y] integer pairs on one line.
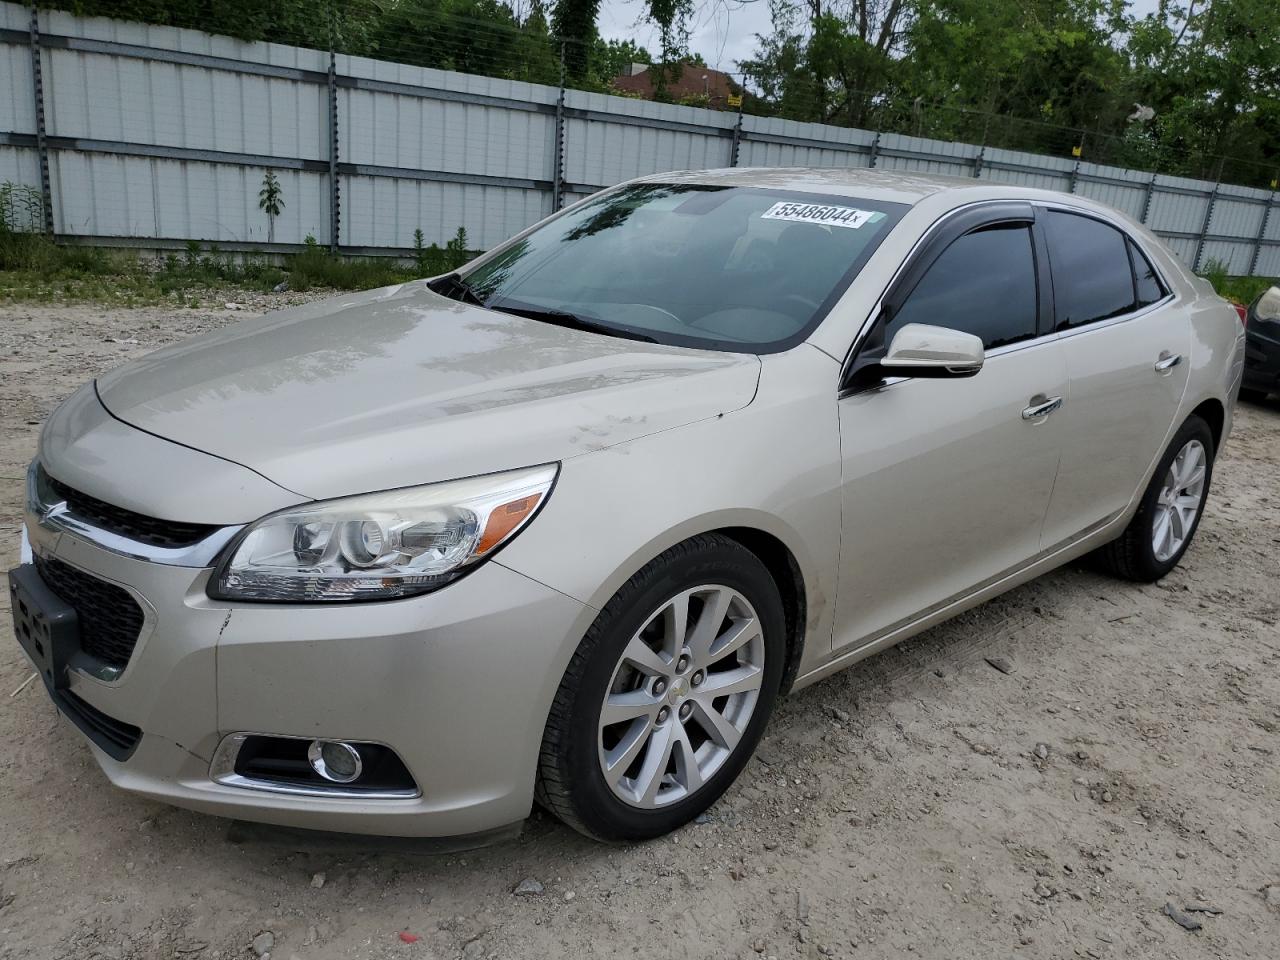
{"points": [[1171, 298], [222, 770], [876, 308], [1166, 301], [54, 515]]}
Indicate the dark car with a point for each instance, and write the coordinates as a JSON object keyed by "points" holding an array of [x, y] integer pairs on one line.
{"points": [[1262, 347]]}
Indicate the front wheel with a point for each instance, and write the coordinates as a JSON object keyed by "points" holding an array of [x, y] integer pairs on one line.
{"points": [[1170, 510], [667, 695]]}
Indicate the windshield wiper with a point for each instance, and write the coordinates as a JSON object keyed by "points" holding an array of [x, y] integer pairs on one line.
{"points": [[455, 288], [562, 318]]}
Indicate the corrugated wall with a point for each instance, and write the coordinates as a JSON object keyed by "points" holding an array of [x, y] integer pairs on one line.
{"points": [[160, 134]]}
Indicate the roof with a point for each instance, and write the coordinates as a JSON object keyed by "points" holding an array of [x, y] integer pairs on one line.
{"points": [[694, 81], [892, 186]]}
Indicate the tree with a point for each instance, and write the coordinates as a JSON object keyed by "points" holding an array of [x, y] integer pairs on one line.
{"points": [[573, 23], [1039, 61], [829, 63], [270, 202], [612, 58]]}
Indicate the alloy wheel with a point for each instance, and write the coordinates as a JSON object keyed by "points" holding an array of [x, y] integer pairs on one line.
{"points": [[681, 696], [1179, 501]]}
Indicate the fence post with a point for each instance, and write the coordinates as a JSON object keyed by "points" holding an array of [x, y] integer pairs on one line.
{"points": [[737, 128], [875, 151], [1262, 234], [1075, 177], [42, 146], [335, 199], [1204, 228], [557, 173], [977, 161], [1146, 202]]}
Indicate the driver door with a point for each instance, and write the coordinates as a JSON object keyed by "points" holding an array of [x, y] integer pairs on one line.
{"points": [[946, 482]]}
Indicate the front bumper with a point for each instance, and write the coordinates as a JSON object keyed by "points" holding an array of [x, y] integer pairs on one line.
{"points": [[457, 682]]}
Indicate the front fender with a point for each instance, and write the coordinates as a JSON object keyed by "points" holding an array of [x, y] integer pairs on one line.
{"points": [[773, 466]]}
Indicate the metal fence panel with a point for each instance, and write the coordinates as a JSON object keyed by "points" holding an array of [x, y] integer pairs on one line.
{"points": [[384, 212], [625, 138], [19, 165], [17, 108], [151, 198], [1234, 255], [161, 133], [1177, 212]]}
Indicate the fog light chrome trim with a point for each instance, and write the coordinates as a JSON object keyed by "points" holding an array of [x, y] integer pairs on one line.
{"points": [[222, 770], [337, 750]]}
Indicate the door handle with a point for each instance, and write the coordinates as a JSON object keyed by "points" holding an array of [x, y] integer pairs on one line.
{"points": [[1041, 407], [1167, 361]]}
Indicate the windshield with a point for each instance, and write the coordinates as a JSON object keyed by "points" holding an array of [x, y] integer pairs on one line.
{"points": [[733, 268]]}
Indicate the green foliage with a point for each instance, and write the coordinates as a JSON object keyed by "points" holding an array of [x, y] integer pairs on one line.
{"points": [[1236, 289], [612, 58], [21, 208], [577, 19], [1040, 75], [1243, 289], [304, 22], [270, 202], [32, 267], [317, 268]]}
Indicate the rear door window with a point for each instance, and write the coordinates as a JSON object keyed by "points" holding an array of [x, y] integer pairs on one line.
{"points": [[984, 283], [1092, 276]]}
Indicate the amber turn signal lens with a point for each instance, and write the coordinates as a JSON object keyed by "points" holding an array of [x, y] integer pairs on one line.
{"points": [[503, 519]]}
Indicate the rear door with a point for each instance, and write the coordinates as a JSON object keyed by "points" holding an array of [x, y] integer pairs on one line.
{"points": [[946, 481], [1128, 349]]}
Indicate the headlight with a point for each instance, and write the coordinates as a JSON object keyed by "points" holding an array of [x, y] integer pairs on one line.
{"points": [[380, 546]]}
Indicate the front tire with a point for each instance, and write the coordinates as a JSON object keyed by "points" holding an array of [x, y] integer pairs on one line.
{"points": [[667, 695], [1170, 510]]}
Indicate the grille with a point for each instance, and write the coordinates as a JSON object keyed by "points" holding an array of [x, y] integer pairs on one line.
{"points": [[115, 738], [110, 619], [149, 530]]}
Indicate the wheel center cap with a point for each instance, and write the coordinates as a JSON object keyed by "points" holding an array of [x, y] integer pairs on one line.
{"points": [[678, 691]]}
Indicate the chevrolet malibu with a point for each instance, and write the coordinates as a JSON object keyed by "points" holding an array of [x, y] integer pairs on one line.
{"points": [[564, 524]]}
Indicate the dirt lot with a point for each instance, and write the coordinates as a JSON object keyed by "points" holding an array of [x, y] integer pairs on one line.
{"points": [[923, 803]]}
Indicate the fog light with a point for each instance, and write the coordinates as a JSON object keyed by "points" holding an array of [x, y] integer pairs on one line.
{"points": [[334, 760]]}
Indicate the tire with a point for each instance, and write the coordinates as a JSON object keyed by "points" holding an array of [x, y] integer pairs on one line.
{"points": [[1250, 395], [652, 796], [1134, 555]]}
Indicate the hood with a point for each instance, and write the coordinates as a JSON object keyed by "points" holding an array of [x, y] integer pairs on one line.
{"points": [[401, 386]]}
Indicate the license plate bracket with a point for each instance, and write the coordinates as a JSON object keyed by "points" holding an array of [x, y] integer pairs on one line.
{"points": [[46, 626]]}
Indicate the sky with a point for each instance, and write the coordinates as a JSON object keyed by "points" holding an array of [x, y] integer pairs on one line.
{"points": [[723, 31]]}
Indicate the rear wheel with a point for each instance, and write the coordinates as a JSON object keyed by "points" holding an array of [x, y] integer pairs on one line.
{"points": [[667, 695], [1167, 518]]}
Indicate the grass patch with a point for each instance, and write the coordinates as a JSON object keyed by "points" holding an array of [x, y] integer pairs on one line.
{"points": [[33, 268], [1236, 289]]}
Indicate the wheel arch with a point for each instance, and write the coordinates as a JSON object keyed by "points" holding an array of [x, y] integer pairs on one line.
{"points": [[1214, 413], [785, 571], [780, 548]]}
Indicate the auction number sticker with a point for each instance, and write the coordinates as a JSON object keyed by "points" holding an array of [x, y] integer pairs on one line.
{"points": [[822, 213]]}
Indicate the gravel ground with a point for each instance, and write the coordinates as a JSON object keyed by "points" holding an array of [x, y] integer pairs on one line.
{"points": [[922, 803]]}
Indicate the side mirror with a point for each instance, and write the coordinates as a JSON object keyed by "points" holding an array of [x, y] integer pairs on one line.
{"points": [[922, 350]]}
